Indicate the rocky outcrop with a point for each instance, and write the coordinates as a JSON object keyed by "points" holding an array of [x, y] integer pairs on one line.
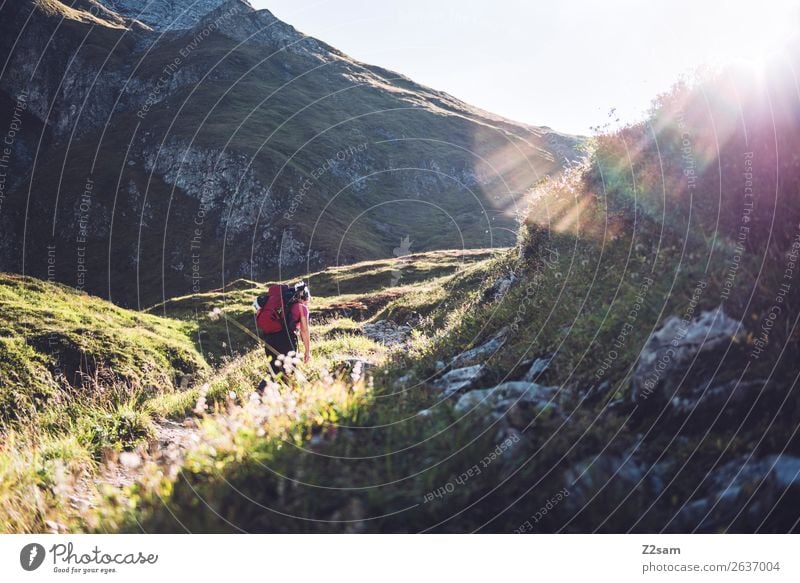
{"points": [[387, 332], [170, 15], [538, 367], [517, 403], [238, 21], [483, 351], [746, 495], [498, 290], [681, 364], [459, 379]]}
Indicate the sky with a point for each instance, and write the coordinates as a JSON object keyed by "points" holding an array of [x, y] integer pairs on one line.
{"points": [[561, 63]]}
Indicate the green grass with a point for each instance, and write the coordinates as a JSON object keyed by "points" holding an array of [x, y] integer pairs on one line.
{"points": [[54, 339], [75, 373], [340, 294], [106, 374], [599, 267]]}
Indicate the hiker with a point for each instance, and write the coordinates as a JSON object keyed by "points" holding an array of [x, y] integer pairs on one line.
{"points": [[280, 314]]}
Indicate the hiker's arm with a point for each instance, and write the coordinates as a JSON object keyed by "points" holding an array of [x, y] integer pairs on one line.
{"points": [[305, 335]]}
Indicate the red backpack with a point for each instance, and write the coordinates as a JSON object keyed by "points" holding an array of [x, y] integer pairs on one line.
{"points": [[272, 316]]}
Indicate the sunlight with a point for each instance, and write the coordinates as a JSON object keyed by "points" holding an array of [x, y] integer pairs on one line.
{"points": [[749, 32]]}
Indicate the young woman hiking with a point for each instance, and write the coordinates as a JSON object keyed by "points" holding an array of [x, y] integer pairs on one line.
{"points": [[280, 319]]}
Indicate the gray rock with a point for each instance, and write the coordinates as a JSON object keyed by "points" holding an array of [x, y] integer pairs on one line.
{"points": [[405, 379], [661, 372], [387, 332], [500, 287], [745, 495], [481, 352], [597, 393], [516, 403], [355, 366], [538, 367], [612, 477], [459, 379], [507, 393], [164, 15]]}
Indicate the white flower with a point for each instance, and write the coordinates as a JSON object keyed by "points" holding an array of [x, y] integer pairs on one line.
{"points": [[129, 459], [215, 314], [200, 406]]}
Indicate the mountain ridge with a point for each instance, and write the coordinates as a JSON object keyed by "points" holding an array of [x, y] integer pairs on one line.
{"points": [[200, 125]]}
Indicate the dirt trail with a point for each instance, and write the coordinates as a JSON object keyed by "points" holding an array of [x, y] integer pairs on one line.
{"points": [[120, 470]]}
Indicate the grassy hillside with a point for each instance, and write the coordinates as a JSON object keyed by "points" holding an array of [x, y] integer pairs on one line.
{"points": [[342, 296], [54, 338], [75, 373], [608, 254], [80, 377], [670, 254]]}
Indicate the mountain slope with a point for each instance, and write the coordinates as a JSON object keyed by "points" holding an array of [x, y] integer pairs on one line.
{"points": [[173, 160], [630, 367], [82, 379]]}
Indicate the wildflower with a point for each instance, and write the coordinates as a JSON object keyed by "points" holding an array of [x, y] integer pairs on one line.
{"points": [[215, 314], [356, 374], [201, 405], [130, 460]]}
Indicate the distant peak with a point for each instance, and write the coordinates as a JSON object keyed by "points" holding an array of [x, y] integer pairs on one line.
{"points": [[163, 15]]}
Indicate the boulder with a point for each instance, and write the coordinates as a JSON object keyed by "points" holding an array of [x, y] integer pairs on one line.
{"points": [[538, 367], [499, 288], [357, 367], [483, 351], [404, 381], [516, 401], [610, 479], [510, 391], [681, 358], [746, 496], [459, 379], [597, 393]]}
